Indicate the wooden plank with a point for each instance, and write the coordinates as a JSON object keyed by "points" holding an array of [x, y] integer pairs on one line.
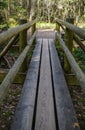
{"points": [[64, 107], [45, 118], [19, 78], [77, 71], [14, 70], [24, 113]]}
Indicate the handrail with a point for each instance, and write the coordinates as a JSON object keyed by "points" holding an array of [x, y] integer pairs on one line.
{"points": [[13, 71], [76, 39], [12, 32], [78, 72], [80, 32]]}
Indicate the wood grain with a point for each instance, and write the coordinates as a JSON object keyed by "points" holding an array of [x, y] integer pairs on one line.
{"points": [[45, 118], [64, 107], [24, 113]]}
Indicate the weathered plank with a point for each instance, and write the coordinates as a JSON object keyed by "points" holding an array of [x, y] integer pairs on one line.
{"points": [[64, 107], [24, 113], [14, 70], [45, 118]]}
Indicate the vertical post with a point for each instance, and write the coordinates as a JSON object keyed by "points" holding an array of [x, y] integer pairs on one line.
{"points": [[23, 36], [58, 30], [33, 28], [32, 32], [69, 44], [22, 44], [57, 27]]}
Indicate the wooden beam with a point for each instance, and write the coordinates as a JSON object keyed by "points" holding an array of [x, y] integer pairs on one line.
{"points": [[33, 28], [22, 44], [19, 78], [58, 27], [22, 36], [77, 30], [12, 32], [78, 72], [14, 70], [71, 80], [68, 38]]}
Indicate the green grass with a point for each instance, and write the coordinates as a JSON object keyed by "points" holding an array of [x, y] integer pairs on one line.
{"points": [[44, 25]]}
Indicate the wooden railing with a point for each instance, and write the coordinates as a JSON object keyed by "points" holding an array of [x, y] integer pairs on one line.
{"points": [[71, 33], [24, 45]]}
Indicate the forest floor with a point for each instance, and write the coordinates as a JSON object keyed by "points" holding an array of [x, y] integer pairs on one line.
{"points": [[78, 98], [7, 108]]}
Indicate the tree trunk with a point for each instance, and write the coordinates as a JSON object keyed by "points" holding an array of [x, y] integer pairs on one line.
{"points": [[9, 7], [31, 9]]}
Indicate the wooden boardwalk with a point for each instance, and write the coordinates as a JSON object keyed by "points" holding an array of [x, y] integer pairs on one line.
{"points": [[45, 102]]}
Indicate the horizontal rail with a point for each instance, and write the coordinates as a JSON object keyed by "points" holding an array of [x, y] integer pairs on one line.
{"points": [[77, 40], [14, 70], [80, 32], [78, 72], [12, 32]]}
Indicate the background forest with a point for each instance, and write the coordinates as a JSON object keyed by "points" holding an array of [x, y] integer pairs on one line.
{"points": [[45, 10]]}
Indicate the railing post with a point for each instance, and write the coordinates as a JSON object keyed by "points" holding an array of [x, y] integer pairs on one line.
{"points": [[33, 29], [58, 30], [23, 36], [58, 27], [22, 44], [69, 42]]}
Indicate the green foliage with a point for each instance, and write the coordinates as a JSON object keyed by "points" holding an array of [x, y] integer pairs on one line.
{"points": [[3, 26], [79, 54], [45, 25], [3, 5], [80, 57], [12, 22]]}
